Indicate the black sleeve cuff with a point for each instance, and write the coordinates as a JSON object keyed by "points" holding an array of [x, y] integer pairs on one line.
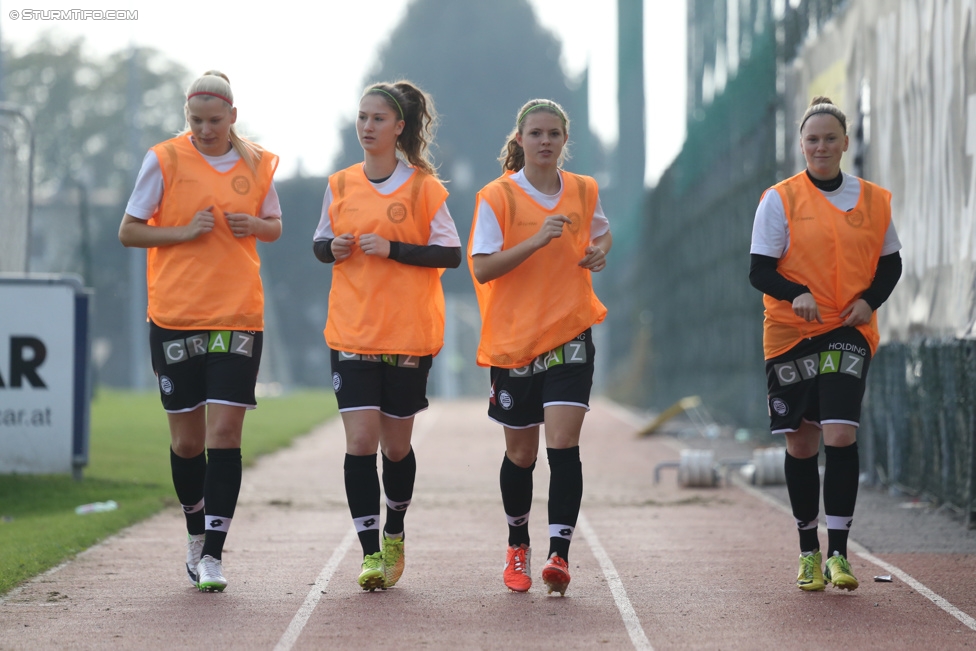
{"points": [[426, 255], [885, 279], [323, 250]]}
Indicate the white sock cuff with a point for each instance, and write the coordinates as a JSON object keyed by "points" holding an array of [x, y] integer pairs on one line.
{"points": [[805, 526], [397, 506], [193, 508], [218, 523], [366, 523], [561, 531], [842, 522], [517, 520]]}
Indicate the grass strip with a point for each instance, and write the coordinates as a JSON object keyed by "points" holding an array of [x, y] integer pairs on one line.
{"points": [[129, 464]]}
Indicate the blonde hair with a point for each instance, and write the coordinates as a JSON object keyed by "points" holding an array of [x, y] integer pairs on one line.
{"points": [[416, 109], [513, 156], [821, 104], [214, 85]]}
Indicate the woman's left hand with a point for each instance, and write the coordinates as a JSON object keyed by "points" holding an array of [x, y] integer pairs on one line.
{"points": [[373, 244], [241, 224], [595, 259], [857, 313]]}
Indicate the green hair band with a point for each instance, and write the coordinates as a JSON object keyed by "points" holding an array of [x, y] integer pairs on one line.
{"points": [[535, 106], [402, 117]]}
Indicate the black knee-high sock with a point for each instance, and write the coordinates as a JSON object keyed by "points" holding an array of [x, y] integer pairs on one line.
{"points": [[398, 479], [189, 476], [363, 495], [841, 472], [220, 492], [803, 484], [565, 495], [516, 485]]}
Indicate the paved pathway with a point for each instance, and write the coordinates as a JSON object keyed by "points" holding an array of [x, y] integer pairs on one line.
{"points": [[654, 566]]}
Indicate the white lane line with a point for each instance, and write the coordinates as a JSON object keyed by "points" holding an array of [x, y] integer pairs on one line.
{"points": [[862, 552], [968, 621], [298, 622], [312, 599], [627, 613]]}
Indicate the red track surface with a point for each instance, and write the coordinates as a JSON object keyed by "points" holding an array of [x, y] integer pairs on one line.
{"points": [[653, 565]]}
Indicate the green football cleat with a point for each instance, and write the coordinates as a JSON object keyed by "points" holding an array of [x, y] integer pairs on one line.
{"points": [[372, 575], [839, 572], [393, 560], [811, 577]]}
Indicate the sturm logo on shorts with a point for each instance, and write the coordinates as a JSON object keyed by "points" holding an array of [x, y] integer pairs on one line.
{"points": [[336, 382], [506, 400], [780, 407], [166, 385]]}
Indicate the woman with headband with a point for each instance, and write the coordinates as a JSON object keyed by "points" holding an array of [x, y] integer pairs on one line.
{"points": [[201, 202], [539, 233], [386, 228], [825, 255]]}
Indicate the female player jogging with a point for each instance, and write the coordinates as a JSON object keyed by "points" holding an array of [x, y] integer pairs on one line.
{"points": [[538, 234], [386, 228], [201, 202]]}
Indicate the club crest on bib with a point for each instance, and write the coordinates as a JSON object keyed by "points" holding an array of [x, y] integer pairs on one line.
{"points": [[574, 222], [396, 212], [241, 185]]}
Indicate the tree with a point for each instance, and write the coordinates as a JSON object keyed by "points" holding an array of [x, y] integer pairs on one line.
{"points": [[94, 118]]}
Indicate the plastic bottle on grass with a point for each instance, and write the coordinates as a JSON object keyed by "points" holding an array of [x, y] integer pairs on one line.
{"points": [[96, 507]]}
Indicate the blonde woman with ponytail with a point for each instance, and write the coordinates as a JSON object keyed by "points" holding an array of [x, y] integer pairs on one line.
{"points": [[201, 202], [539, 233]]}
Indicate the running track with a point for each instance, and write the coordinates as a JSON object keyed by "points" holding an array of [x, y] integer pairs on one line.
{"points": [[653, 566]]}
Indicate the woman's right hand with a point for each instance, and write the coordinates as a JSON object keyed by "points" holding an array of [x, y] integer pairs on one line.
{"points": [[551, 228], [342, 246], [201, 224], [805, 307]]}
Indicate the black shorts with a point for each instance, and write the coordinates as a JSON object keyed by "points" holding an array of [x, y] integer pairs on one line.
{"points": [[194, 367], [396, 385], [563, 376], [820, 380]]}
